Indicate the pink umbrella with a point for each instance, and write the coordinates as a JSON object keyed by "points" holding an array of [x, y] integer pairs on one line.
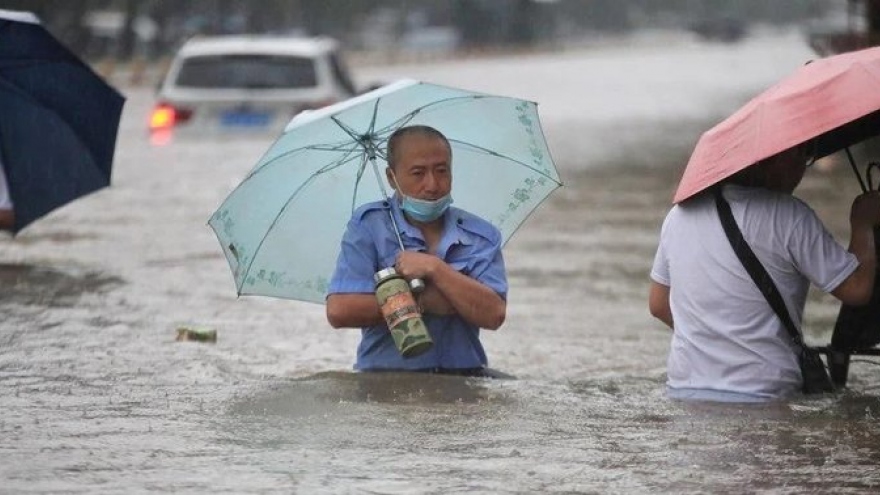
{"points": [[835, 100]]}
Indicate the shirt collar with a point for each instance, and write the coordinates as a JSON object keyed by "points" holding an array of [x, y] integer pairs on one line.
{"points": [[453, 233]]}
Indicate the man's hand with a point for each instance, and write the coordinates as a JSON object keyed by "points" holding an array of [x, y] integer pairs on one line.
{"points": [[414, 264], [865, 211], [864, 215], [7, 219], [467, 297], [432, 301]]}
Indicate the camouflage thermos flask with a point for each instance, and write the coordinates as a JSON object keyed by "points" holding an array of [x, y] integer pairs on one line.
{"points": [[401, 313]]}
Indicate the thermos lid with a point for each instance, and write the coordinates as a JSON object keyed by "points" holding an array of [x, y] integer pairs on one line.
{"points": [[417, 285], [384, 273]]}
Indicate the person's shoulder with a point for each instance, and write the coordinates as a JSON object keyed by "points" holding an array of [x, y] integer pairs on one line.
{"points": [[781, 206], [788, 203], [369, 210], [799, 203], [475, 224], [799, 211], [763, 195], [693, 205]]}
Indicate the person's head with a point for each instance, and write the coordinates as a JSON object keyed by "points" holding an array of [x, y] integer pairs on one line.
{"points": [[420, 170], [781, 172]]}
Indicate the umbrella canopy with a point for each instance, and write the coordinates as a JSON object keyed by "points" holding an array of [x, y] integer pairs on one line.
{"points": [[281, 227], [58, 121], [835, 100]]}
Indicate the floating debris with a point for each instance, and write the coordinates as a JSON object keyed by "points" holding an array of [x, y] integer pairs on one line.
{"points": [[196, 334]]}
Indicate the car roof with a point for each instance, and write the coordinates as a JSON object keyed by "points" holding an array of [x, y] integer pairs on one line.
{"points": [[244, 44]]}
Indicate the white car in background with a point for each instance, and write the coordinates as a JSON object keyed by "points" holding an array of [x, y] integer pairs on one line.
{"points": [[224, 85]]}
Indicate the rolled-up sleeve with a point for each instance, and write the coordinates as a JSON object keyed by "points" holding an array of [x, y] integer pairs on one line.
{"points": [[356, 263], [489, 268], [481, 256], [823, 260], [660, 268]]}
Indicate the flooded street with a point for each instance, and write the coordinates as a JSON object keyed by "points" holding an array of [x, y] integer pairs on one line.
{"points": [[97, 397]]}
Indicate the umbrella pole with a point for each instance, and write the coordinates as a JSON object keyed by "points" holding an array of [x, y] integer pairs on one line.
{"points": [[387, 198], [852, 163], [417, 285]]}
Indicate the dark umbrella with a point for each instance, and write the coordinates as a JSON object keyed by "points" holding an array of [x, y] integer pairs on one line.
{"points": [[58, 121]]}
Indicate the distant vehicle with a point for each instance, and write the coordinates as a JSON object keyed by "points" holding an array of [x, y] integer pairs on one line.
{"points": [[725, 29], [837, 33], [246, 84]]}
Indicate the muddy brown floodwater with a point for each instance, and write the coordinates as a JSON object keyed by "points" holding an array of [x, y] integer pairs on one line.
{"points": [[97, 397]]}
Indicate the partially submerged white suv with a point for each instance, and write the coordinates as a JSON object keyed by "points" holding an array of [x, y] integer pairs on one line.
{"points": [[235, 84]]}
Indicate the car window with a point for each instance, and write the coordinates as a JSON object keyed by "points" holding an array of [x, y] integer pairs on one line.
{"points": [[247, 71]]}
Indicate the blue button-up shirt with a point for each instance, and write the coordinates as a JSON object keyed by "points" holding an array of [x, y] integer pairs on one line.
{"points": [[469, 244]]}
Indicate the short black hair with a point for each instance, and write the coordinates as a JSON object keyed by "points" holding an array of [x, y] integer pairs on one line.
{"points": [[399, 134]]}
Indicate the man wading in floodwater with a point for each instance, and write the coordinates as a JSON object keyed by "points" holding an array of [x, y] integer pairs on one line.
{"points": [[456, 253], [728, 343]]}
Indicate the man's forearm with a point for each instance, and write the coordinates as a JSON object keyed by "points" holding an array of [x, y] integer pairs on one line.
{"points": [[858, 287], [432, 301], [353, 311], [472, 300], [658, 304]]}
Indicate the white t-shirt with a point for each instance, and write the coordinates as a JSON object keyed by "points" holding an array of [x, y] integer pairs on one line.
{"points": [[727, 338], [5, 198]]}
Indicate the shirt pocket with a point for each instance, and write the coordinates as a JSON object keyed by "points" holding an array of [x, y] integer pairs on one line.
{"points": [[460, 265]]}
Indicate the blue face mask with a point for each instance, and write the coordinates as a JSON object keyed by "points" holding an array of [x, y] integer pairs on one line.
{"points": [[422, 210], [425, 211]]}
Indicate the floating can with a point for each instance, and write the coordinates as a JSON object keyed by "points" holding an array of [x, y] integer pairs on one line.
{"points": [[401, 313], [196, 334]]}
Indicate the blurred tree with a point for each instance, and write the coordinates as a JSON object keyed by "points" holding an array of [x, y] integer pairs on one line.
{"points": [[872, 15], [522, 23], [478, 22], [598, 15], [473, 20], [127, 36]]}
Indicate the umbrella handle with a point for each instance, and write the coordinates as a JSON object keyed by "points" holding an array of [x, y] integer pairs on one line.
{"points": [[417, 285], [870, 168], [852, 163]]}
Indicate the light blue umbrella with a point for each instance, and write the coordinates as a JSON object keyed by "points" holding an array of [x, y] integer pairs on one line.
{"points": [[281, 227]]}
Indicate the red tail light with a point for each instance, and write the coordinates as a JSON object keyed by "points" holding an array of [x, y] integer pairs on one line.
{"points": [[166, 116]]}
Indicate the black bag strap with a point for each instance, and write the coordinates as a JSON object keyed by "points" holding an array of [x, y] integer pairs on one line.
{"points": [[754, 267]]}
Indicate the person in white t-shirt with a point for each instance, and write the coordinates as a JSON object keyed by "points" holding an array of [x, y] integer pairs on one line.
{"points": [[728, 344], [7, 215]]}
